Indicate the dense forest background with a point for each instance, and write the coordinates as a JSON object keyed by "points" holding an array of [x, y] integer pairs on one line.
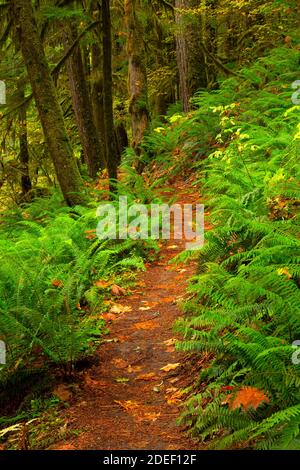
{"points": [[108, 98]]}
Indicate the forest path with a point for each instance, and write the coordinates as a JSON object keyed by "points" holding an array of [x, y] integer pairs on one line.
{"points": [[127, 402]]}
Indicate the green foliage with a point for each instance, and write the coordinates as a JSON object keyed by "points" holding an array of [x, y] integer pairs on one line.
{"points": [[50, 258], [243, 304]]}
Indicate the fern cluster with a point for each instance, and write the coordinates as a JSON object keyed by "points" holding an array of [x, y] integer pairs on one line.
{"points": [[50, 260], [244, 303]]}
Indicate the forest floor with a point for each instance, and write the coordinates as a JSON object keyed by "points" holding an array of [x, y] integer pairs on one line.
{"points": [[127, 400]]}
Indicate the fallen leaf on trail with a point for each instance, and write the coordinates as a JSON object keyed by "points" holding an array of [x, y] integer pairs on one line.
{"points": [[170, 342], [167, 300], [128, 405], [172, 247], [145, 308], [146, 325], [122, 380], [169, 367], [247, 397], [108, 316], [151, 416], [132, 369], [117, 290], [117, 308], [149, 303], [111, 340], [174, 398], [149, 376], [119, 363], [170, 349], [173, 380], [171, 390], [62, 392], [122, 338], [94, 383]]}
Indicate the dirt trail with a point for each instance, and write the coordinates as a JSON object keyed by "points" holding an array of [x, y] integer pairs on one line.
{"points": [[127, 401]]}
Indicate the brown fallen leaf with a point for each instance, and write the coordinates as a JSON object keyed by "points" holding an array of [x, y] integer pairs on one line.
{"points": [[149, 376], [119, 363], [247, 397], [145, 308], [128, 405], [166, 300], [132, 369], [90, 234], [117, 308], [108, 316], [169, 367], [146, 325], [151, 416], [170, 342], [174, 398], [117, 290]]}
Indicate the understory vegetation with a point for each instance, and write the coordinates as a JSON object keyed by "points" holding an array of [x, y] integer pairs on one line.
{"points": [[141, 98]]}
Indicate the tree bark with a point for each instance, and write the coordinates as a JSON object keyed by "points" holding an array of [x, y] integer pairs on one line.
{"points": [[91, 145], [137, 77], [190, 56], [23, 140], [49, 110], [111, 147], [97, 96]]}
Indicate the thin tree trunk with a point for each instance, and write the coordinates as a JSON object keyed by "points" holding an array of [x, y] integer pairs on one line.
{"points": [[23, 140], [47, 102], [190, 56], [111, 147], [91, 145], [137, 78]]}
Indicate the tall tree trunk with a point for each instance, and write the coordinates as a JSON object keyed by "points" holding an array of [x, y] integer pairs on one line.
{"points": [[23, 140], [97, 96], [111, 147], [47, 102], [190, 56], [91, 145], [137, 77]]}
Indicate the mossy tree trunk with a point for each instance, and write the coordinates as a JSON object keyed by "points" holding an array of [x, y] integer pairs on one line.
{"points": [[137, 76], [91, 144], [97, 95], [46, 99], [26, 185], [110, 138]]}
